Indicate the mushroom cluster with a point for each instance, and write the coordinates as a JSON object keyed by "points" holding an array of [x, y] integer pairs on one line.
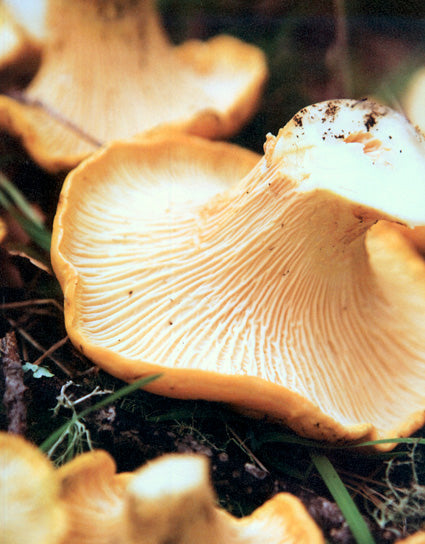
{"points": [[282, 288], [109, 71], [170, 499]]}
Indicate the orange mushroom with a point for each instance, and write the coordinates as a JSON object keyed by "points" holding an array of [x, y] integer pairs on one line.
{"points": [[86, 501], [3, 230], [169, 499], [30, 16], [93, 495], [19, 51], [287, 294], [29, 495], [414, 99], [417, 538], [108, 71]]}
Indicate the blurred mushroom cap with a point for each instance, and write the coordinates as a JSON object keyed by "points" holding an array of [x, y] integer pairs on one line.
{"points": [[29, 495], [108, 72]]}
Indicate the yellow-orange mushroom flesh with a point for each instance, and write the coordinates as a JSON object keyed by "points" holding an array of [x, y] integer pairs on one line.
{"points": [[30, 14], [414, 99], [172, 498], [169, 499], [283, 295], [93, 495], [416, 538], [30, 508], [109, 72], [19, 52]]}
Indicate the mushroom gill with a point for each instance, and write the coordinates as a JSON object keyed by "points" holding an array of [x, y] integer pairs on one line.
{"points": [[109, 71], [285, 290]]}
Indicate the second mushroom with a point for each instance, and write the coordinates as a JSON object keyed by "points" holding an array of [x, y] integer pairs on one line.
{"points": [[278, 285], [109, 71]]}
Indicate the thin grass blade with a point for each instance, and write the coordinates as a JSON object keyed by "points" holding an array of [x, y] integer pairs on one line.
{"points": [[20, 201], [354, 519]]}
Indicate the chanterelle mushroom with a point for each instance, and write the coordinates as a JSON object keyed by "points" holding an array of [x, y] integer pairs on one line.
{"points": [[169, 500], [30, 509], [108, 72], [30, 14], [281, 295], [416, 538], [414, 99], [19, 51]]}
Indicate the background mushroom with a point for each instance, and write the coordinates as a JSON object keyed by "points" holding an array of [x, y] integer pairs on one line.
{"points": [[29, 495], [281, 295], [93, 497], [108, 71], [414, 99], [169, 499], [30, 14], [19, 50], [417, 538]]}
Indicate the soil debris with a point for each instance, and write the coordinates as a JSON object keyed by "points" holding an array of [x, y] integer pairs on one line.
{"points": [[15, 397]]}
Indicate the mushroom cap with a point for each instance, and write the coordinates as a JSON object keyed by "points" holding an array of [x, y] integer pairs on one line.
{"points": [[19, 52], [171, 495], [29, 495], [30, 14], [3, 230], [416, 538], [289, 293], [93, 496], [74, 104], [414, 99]]}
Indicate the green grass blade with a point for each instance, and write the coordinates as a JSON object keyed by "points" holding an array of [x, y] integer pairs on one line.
{"points": [[20, 201], [389, 441], [122, 392], [287, 438], [339, 492], [29, 222], [39, 235]]}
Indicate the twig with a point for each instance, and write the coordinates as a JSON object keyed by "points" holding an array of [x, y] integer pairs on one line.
{"points": [[14, 395], [38, 346], [245, 448], [52, 349], [34, 302]]}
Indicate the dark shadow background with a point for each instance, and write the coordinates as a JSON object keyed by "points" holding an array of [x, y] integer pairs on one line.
{"points": [[385, 44]]}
